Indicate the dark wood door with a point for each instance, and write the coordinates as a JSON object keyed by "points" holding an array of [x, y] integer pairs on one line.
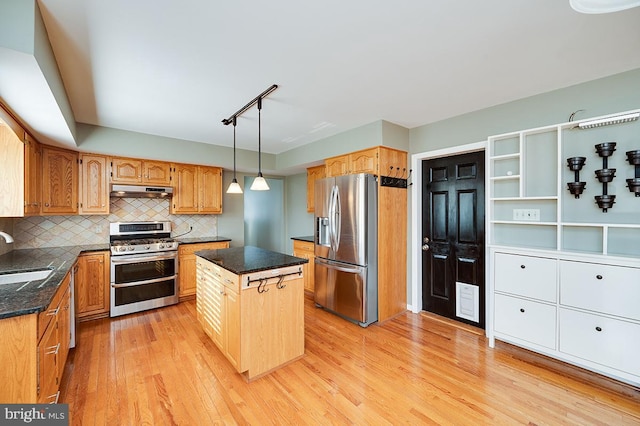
{"points": [[453, 233]]}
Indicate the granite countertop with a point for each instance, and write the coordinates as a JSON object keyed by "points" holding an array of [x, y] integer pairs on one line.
{"points": [[34, 296], [308, 239], [197, 240], [243, 260]]}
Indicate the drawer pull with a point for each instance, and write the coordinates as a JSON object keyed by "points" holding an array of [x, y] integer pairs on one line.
{"points": [[522, 310], [522, 266], [598, 328], [599, 277]]}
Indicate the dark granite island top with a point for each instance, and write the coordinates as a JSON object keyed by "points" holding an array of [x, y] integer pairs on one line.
{"points": [[308, 239], [243, 260]]}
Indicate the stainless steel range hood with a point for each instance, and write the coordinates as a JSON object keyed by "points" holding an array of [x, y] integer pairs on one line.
{"points": [[141, 191]]}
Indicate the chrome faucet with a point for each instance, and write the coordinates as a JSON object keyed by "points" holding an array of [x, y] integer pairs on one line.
{"points": [[8, 238]]}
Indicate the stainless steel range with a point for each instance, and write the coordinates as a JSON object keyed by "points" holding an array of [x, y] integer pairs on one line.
{"points": [[144, 266]]}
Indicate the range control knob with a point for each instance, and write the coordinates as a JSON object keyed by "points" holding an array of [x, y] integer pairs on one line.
{"points": [[161, 246], [147, 247], [131, 248]]}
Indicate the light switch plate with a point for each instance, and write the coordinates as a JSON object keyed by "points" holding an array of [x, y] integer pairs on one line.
{"points": [[527, 215]]}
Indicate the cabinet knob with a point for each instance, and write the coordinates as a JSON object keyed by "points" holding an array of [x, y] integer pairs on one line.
{"points": [[599, 276], [522, 310], [522, 266], [598, 328]]}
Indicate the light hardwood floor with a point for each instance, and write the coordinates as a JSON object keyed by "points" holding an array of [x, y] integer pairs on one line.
{"points": [[159, 368]]}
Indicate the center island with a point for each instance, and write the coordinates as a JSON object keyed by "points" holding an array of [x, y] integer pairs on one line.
{"points": [[250, 302]]}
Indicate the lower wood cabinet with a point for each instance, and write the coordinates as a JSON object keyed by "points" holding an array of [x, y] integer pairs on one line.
{"points": [[34, 351], [306, 250], [92, 286], [187, 265]]}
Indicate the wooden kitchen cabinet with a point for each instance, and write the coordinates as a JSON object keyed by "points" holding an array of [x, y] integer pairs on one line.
{"points": [[137, 171], [381, 161], [313, 174], [305, 250], [187, 265], [92, 286], [32, 176], [59, 181], [94, 184], [197, 189], [256, 330], [19, 172], [34, 351]]}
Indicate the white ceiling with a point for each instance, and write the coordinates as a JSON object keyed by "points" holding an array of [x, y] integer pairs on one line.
{"points": [[177, 68]]}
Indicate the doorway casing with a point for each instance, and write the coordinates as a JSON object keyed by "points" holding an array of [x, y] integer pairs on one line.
{"points": [[415, 296]]}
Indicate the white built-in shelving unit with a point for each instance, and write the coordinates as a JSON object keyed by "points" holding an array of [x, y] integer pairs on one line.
{"points": [[564, 276]]}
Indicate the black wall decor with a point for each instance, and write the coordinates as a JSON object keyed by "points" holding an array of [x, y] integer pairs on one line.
{"points": [[605, 175], [634, 183], [575, 164]]}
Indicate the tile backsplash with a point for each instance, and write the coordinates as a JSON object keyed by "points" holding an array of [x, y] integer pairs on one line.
{"points": [[54, 231]]}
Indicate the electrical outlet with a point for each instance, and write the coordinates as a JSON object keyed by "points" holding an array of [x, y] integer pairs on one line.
{"points": [[532, 215]]}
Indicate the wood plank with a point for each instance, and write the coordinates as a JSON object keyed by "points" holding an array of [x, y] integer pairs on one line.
{"points": [[159, 367]]}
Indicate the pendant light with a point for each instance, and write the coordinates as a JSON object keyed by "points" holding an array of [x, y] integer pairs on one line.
{"points": [[259, 183], [234, 187]]}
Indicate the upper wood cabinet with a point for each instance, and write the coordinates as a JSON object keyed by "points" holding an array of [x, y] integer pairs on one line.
{"points": [[94, 184], [133, 170], [382, 161], [11, 172], [32, 176], [197, 189], [59, 181], [313, 174]]}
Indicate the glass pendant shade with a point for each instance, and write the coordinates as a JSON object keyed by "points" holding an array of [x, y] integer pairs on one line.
{"points": [[234, 187], [260, 184]]}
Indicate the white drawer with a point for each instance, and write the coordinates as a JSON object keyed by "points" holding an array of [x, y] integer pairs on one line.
{"points": [[605, 341], [527, 276], [609, 289], [527, 320]]}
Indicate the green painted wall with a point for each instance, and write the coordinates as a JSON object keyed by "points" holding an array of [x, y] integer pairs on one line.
{"points": [[299, 221]]}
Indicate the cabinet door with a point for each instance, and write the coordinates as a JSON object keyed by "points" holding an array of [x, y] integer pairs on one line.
{"points": [[48, 350], [185, 196], [60, 181], [210, 190], [305, 250], [232, 333], [336, 166], [64, 327], [94, 186], [126, 170], [92, 284], [527, 276], [526, 320], [606, 341], [32, 176], [156, 172], [364, 162], [313, 174]]}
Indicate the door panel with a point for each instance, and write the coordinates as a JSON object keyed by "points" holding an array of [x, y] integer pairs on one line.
{"points": [[452, 231]]}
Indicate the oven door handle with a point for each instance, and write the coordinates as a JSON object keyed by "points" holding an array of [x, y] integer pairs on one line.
{"points": [[147, 258], [136, 283]]}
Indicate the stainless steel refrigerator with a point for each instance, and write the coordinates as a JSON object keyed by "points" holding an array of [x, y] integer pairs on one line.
{"points": [[346, 241]]}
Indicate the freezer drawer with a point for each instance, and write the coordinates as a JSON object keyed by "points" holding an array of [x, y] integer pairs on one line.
{"points": [[345, 290]]}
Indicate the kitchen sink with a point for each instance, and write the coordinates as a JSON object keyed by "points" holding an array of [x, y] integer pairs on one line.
{"points": [[24, 275]]}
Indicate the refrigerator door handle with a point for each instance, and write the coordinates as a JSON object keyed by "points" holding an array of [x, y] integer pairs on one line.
{"points": [[333, 234], [342, 268]]}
